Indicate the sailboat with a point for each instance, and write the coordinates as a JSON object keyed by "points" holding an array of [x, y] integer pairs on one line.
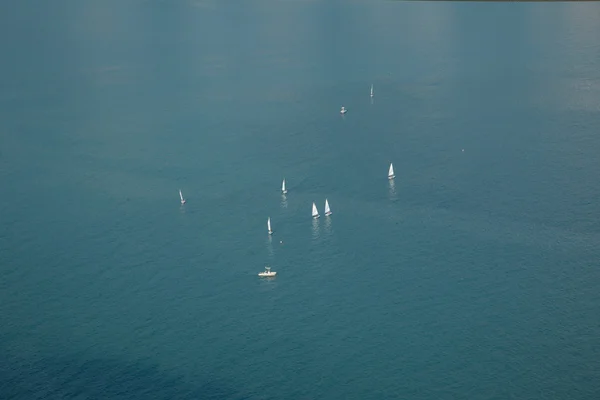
{"points": [[343, 110], [283, 189], [181, 197], [371, 90], [391, 172], [315, 212], [269, 226], [327, 209]]}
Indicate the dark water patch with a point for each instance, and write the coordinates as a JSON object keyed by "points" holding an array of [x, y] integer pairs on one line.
{"points": [[65, 377]]}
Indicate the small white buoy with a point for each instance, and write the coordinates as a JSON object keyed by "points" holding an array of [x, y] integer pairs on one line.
{"points": [[463, 150], [281, 241]]}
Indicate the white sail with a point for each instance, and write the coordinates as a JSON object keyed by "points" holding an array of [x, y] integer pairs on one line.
{"points": [[327, 209], [269, 225], [391, 171], [315, 212], [283, 190], [371, 90], [181, 197]]}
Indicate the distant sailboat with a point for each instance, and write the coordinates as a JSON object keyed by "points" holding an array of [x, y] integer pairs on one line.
{"points": [[371, 90], [391, 172], [181, 197], [343, 110], [283, 189], [269, 226], [327, 209], [315, 212]]}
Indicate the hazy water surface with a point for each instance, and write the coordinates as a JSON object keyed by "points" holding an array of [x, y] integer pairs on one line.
{"points": [[472, 275]]}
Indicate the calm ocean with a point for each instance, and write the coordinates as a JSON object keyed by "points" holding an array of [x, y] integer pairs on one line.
{"points": [[475, 274]]}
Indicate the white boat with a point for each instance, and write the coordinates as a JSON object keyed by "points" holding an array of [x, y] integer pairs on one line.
{"points": [[343, 110], [315, 212], [283, 189], [181, 197], [391, 172], [327, 209], [269, 226], [267, 272], [371, 90]]}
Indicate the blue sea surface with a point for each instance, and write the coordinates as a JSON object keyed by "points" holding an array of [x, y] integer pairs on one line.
{"points": [[474, 274]]}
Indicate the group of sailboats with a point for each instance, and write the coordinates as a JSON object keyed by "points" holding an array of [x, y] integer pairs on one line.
{"points": [[315, 212], [315, 215], [267, 273]]}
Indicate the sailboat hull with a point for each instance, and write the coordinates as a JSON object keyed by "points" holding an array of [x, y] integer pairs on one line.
{"points": [[327, 214], [391, 176], [284, 191], [316, 216]]}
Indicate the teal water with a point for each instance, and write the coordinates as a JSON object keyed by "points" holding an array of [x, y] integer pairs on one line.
{"points": [[475, 276]]}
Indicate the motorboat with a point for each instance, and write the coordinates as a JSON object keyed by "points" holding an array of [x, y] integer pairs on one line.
{"points": [[267, 273]]}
